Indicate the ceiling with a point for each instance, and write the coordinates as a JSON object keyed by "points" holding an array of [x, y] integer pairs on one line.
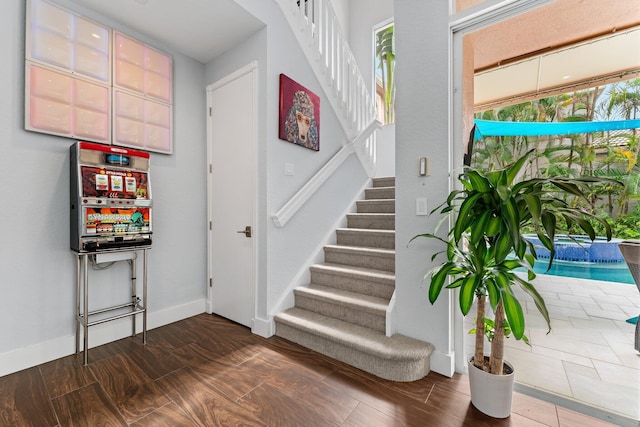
{"points": [[200, 29], [519, 57]]}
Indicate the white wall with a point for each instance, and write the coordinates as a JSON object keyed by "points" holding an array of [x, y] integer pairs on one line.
{"points": [[284, 253], [364, 15], [343, 12], [422, 119], [37, 268], [386, 151]]}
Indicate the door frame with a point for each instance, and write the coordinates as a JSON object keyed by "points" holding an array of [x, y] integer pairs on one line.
{"points": [[460, 24], [252, 68]]}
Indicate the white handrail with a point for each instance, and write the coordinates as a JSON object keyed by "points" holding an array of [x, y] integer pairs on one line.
{"points": [[316, 27], [362, 143]]}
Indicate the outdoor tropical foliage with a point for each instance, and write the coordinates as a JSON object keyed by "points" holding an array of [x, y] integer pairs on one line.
{"points": [[385, 67], [610, 154], [486, 245]]}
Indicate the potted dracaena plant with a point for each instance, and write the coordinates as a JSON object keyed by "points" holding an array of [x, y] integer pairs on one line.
{"points": [[484, 248]]}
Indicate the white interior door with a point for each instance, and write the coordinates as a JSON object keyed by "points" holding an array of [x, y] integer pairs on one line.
{"points": [[232, 143]]}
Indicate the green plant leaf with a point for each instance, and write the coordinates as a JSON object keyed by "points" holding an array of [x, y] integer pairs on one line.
{"points": [[468, 293], [456, 283], [503, 247], [462, 222], [478, 182], [569, 187], [549, 223], [514, 169], [511, 218], [513, 312], [492, 291], [479, 227], [437, 280], [534, 205], [537, 299], [494, 225]]}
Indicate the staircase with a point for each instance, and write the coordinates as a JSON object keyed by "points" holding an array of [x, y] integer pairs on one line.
{"points": [[342, 313]]}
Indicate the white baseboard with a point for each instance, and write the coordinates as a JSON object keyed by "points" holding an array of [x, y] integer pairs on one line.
{"points": [[263, 327], [443, 364], [37, 354]]}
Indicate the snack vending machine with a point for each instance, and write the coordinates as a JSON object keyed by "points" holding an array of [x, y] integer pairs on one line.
{"points": [[111, 205]]}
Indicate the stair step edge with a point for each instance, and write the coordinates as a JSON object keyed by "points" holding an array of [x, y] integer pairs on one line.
{"points": [[397, 347], [380, 179], [381, 215], [372, 231], [347, 270], [362, 249], [367, 303]]}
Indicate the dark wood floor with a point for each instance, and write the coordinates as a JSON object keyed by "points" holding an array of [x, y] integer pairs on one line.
{"points": [[207, 371]]}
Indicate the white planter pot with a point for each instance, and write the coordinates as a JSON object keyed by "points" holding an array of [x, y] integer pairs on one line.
{"points": [[491, 394]]}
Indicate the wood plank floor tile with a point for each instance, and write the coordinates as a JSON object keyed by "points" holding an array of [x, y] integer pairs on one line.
{"points": [[231, 379], [208, 371], [167, 416], [418, 390], [300, 384], [121, 346], [569, 418], [172, 336], [88, 406], [368, 390], [24, 400], [204, 403], [204, 325], [458, 382], [227, 351], [324, 399], [155, 362], [65, 375], [366, 416], [538, 410], [281, 372], [309, 361], [364, 388], [458, 405], [132, 391], [277, 409]]}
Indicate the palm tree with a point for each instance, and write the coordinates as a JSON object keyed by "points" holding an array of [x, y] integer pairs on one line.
{"points": [[386, 57]]}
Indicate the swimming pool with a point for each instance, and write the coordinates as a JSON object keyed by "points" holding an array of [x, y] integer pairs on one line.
{"points": [[609, 272], [578, 256]]}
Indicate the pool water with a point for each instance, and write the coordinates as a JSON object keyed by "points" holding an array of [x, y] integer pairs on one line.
{"points": [[609, 272]]}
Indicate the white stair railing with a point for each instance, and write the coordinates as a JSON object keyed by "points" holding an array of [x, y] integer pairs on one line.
{"points": [[362, 144], [316, 27]]}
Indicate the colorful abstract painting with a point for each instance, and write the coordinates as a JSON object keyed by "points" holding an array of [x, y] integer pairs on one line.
{"points": [[299, 114]]}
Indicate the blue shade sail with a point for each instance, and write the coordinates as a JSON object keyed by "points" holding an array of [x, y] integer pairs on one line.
{"points": [[494, 128]]}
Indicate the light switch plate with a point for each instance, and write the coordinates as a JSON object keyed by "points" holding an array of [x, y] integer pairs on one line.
{"points": [[421, 206], [288, 169]]}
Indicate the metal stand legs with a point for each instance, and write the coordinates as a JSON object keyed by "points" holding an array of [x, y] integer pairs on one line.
{"points": [[131, 309]]}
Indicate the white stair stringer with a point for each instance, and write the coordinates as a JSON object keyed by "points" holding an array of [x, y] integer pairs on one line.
{"points": [[344, 311]]}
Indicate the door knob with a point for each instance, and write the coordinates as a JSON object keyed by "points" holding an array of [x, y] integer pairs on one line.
{"points": [[246, 231]]}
